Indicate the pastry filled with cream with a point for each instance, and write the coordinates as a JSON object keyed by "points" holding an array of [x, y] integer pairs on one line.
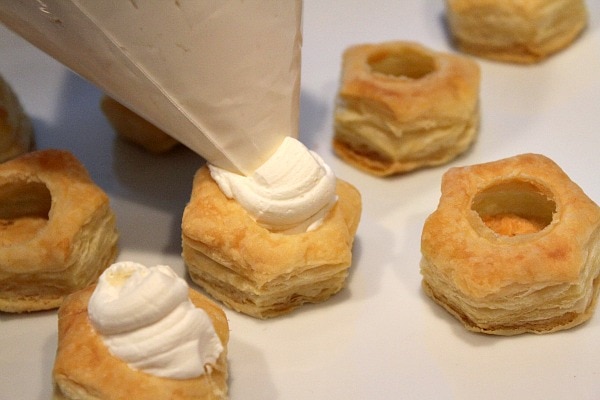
{"points": [[223, 78], [141, 333], [266, 243], [146, 318]]}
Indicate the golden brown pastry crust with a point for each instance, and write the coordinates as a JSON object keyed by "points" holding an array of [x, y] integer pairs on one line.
{"points": [[482, 262], [401, 106], [258, 272], [136, 129], [57, 230], [16, 130], [515, 30], [84, 369]]}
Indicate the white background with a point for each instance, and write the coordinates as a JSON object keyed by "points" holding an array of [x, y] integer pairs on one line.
{"points": [[380, 338]]}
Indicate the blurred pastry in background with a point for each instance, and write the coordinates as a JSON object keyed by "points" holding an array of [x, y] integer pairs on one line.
{"points": [[141, 333], [57, 230], [266, 243], [135, 129], [402, 106], [514, 30], [16, 129], [513, 247]]}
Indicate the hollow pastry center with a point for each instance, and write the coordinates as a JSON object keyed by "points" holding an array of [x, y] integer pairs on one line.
{"points": [[514, 208], [402, 63], [24, 209]]}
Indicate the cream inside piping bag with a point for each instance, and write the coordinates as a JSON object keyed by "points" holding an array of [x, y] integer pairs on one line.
{"points": [[220, 76]]}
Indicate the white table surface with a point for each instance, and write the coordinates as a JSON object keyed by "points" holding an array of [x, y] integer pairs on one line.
{"points": [[380, 338]]}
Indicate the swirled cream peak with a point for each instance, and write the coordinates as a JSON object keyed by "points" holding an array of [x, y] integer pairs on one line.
{"points": [[145, 317], [292, 191]]}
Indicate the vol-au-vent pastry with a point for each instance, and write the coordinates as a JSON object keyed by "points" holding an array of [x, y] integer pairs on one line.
{"points": [[515, 31], [402, 106], [16, 129], [57, 230], [267, 243], [141, 333], [513, 247], [135, 129]]}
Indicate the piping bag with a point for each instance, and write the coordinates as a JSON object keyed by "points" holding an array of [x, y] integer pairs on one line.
{"points": [[220, 76]]}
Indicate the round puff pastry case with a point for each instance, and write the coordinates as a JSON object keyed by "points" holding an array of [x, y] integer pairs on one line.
{"points": [[402, 106], [85, 369], [513, 247], [57, 230]]}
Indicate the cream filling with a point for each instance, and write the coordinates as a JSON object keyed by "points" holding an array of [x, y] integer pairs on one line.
{"points": [[145, 318], [292, 191]]}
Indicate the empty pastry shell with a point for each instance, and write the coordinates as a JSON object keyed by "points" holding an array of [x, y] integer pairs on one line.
{"points": [[402, 106], [57, 230], [513, 247]]}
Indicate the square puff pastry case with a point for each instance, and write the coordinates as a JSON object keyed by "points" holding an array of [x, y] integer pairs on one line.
{"points": [[258, 272], [57, 230], [84, 369]]}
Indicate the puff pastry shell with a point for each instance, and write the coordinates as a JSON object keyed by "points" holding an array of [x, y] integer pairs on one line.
{"points": [[515, 30], [135, 129], [57, 230], [401, 106], [16, 130], [513, 247], [84, 369], [258, 272]]}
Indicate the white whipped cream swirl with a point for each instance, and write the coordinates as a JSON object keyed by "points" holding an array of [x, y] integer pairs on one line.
{"points": [[145, 317], [292, 191]]}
